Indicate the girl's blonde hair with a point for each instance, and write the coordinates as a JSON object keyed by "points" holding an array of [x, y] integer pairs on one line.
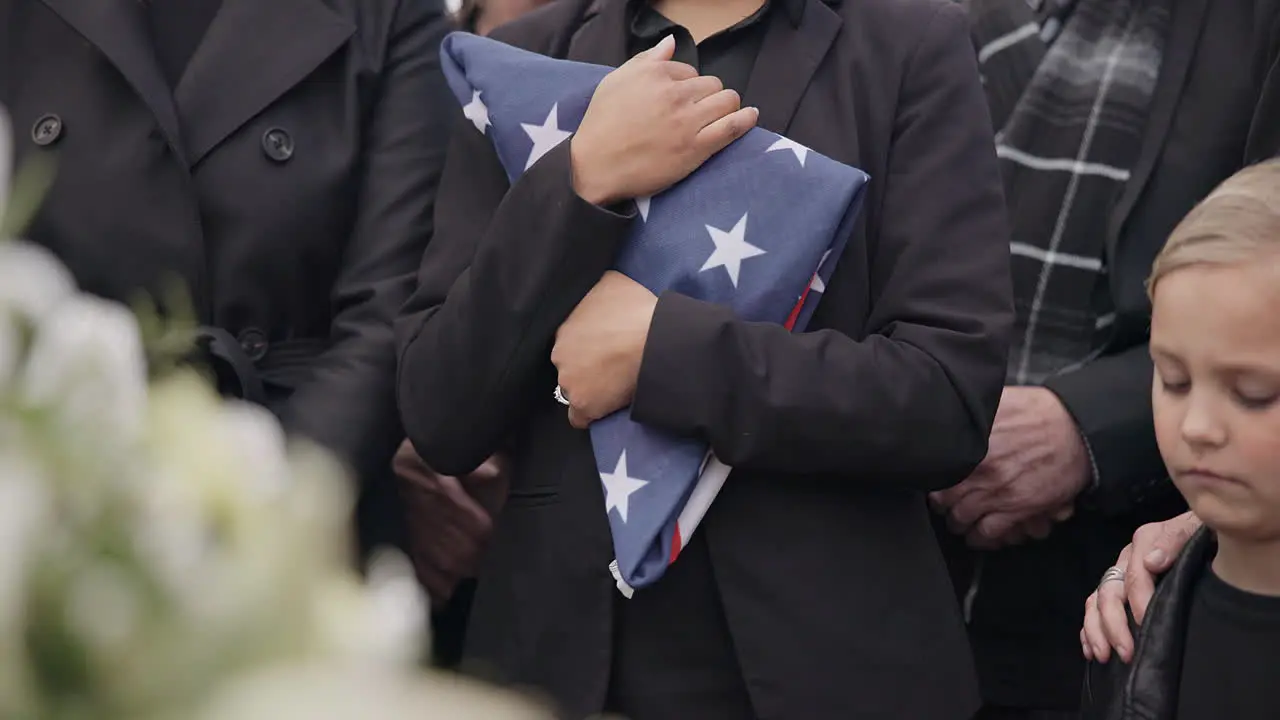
{"points": [[1239, 221]]}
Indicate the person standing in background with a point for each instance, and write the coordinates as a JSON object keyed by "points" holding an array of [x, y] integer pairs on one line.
{"points": [[1114, 118], [277, 159]]}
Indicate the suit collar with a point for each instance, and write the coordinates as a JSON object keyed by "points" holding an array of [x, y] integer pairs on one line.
{"points": [[788, 59], [118, 29], [790, 54], [1180, 51], [253, 52]]}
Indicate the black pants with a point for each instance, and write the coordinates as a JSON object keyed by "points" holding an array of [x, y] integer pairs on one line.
{"points": [[673, 658], [991, 712]]}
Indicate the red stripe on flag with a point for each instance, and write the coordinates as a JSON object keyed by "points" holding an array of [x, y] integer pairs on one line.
{"points": [[795, 311], [675, 544]]}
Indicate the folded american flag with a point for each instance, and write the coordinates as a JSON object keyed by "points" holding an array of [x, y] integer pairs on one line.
{"points": [[746, 230]]}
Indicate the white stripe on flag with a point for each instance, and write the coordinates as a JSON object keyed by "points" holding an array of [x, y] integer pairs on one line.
{"points": [[710, 481], [1075, 167], [1055, 258]]}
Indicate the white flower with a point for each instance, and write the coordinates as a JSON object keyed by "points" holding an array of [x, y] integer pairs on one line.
{"points": [[383, 622], [87, 362], [25, 515], [10, 347], [24, 512], [35, 281], [343, 690]]}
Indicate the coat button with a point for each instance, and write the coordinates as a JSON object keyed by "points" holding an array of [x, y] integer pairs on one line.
{"points": [[277, 144], [254, 343], [47, 130]]}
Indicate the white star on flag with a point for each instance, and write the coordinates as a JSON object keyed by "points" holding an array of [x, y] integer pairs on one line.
{"points": [[816, 284], [731, 249], [642, 204], [788, 144], [618, 486], [477, 112], [545, 136]]}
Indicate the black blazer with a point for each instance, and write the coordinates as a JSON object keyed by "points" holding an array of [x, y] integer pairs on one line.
{"points": [[832, 583], [287, 182]]}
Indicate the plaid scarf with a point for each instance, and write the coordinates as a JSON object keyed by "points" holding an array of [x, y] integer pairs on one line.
{"points": [[1069, 83]]}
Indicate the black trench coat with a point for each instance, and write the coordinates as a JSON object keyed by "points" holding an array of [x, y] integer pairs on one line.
{"points": [[287, 181]]}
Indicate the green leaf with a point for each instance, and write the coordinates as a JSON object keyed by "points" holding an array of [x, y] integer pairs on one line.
{"points": [[30, 184]]}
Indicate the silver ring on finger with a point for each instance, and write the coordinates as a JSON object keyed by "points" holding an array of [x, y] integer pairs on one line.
{"points": [[560, 396], [1113, 573]]}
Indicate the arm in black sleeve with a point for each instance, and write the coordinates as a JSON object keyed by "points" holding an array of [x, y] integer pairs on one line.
{"points": [[507, 265], [1110, 400], [914, 400], [347, 402]]}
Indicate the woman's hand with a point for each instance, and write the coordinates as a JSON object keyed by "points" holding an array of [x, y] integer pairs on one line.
{"points": [[651, 123], [1106, 625]]}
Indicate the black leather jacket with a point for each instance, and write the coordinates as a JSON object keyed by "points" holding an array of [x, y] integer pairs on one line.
{"points": [[1147, 688]]}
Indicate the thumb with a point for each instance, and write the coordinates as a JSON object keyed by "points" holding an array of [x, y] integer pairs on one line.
{"points": [[664, 50]]}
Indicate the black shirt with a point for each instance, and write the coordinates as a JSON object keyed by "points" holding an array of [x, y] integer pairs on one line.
{"points": [[1231, 664], [728, 55], [177, 27]]}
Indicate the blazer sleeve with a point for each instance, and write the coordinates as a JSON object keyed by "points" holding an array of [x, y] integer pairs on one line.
{"points": [[1110, 400], [508, 263], [912, 402], [347, 402]]}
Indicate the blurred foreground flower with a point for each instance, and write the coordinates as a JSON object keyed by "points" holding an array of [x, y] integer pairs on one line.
{"points": [[168, 555]]}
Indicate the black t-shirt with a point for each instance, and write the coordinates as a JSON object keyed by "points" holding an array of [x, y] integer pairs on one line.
{"points": [[1231, 664], [729, 55], [177, 27]]}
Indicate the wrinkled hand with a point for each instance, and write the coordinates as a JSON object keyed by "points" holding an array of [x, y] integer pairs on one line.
{"points": [[651, 123], [599, 347], [1036, 465], [449, 519], [1106, 624]]}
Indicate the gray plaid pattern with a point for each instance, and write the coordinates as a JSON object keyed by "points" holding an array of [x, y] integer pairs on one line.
{"points": [[1069, 83]]}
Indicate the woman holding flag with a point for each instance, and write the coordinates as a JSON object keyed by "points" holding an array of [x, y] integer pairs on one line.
{"points": [[813, 586]]}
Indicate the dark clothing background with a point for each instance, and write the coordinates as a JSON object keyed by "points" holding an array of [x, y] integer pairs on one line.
{"points": [[828, 577], [286, 180], [1215, 110], [1232, 655]]}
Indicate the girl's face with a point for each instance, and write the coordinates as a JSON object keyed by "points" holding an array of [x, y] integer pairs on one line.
{"points": [[1215, 342]]}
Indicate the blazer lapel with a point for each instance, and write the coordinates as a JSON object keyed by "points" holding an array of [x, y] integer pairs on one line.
{"points": [[601, 38], [1184, 38], [789, 56], [118, 29], [253, 52]]}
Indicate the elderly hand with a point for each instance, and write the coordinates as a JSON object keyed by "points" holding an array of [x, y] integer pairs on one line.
{"points": [[598, 349], [1106, 624], [449, 519], [1035, 467]]}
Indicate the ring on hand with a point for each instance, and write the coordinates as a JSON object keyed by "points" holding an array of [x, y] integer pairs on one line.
{"points": [[560, 396], [1112, 573]]}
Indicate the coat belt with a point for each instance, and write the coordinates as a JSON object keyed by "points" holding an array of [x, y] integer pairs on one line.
{"points": [[232, 365]]}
